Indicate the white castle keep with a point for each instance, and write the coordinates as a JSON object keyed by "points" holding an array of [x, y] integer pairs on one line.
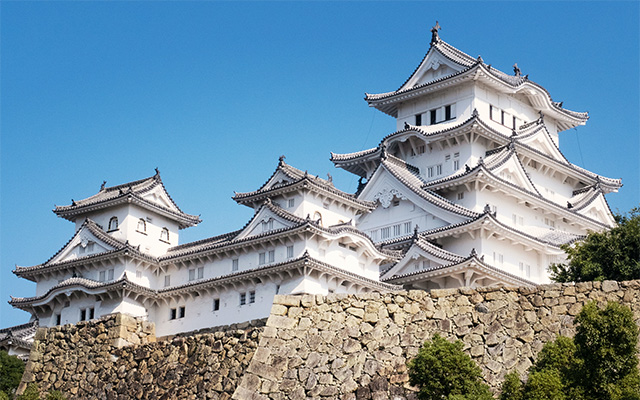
{"points": [[471, 190]]}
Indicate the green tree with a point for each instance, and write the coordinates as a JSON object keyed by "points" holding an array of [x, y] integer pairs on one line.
{"points": [[613, 254], [600, 363], [55, 395], [11, 369], [441, 370], [606, 343]]}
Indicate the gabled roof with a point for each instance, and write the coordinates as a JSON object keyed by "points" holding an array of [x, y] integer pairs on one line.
{"points": [[472, 262], [541, 237], [149, 193], [465, 67], [237, 239], [19, 336], [287, 179], [406, 174], [89, 230]]}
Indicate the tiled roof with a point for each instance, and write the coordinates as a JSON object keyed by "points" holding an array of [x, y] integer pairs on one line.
{"points": [[299, 179], [409, 178], [121, 193], [445, 269], [469, 66], [119, 247]]}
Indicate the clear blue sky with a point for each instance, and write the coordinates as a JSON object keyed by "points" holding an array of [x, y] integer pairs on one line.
{"points": [[213, 92]]}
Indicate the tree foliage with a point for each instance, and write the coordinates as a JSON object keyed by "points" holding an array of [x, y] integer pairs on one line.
{"points": [[441, 370], [600, 363], [610, 255], [11, 369]]}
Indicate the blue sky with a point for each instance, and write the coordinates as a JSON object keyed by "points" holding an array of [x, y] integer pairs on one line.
{"points": [[213, 92]]}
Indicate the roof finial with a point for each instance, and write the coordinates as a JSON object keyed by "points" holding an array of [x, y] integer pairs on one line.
{"points": [[434, 33], [487, 208], [157, 171], [281, 159], [415, 231], [475, 112], [329, 177], [102, 186], [516, 70], [73, 203], [473, 252], [406, 125]]}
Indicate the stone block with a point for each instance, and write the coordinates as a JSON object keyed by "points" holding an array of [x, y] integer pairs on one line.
{"points": [[287, 300], [281, 322]]}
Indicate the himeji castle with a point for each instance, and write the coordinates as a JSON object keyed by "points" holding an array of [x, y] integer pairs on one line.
{"points": [[471, 190]]}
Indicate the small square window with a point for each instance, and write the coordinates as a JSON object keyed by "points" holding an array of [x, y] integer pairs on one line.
{"points": [[396, 203], [167, 280], [460, 195], [439, 169], [243, 299], [216, 304], [252, 296]]}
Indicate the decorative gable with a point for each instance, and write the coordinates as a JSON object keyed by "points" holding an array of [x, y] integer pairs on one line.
{"points": [[84, 243], [421, 256], [434, 66], [266, 220]]}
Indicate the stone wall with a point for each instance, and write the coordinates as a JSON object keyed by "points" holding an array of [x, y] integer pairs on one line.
{"points": [[334, 347], [357, 347], [118, 357]]}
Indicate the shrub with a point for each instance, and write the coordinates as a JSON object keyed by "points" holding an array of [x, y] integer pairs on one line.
{"points": [[32, 392], [11, 369], [55, 395], [441, 370], [511, 387]]}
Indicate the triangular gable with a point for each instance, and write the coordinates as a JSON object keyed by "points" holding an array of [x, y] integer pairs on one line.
{"points": [[159, 196], [599, 210], [421, 257], [84, 243], [383, 188], [510, 169], [540, 140], [434, 66], [264, 221]]}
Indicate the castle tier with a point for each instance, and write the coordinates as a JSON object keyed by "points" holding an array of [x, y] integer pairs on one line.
{"points": [[471, 190]]}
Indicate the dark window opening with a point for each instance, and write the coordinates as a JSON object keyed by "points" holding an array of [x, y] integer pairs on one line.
{"points": [[447, 113], [173, 314], [216, 304], [91, 313], [418, 119], [432, 114], [83, 315], [182, 312], [58, 319]]}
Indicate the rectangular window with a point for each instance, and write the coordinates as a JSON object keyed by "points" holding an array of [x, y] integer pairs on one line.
{"points": [[167, 280], [514, 123], [216, 304], [447, 113], [262, 258], [182, 312], [374, 235], [139, 274], [430, 172], [243, 299], [456, 154], [272, 256], [447, 157], [192, 275], [418, 119], [200, 272], [432, 119], [426, 264], [416, 266], [521, 221], [292, 203], [456, 165], [173, 314], [396, 230], [386, 232], [234, 264], [289, 251], [252, 296], [91, 312], [460, 196], [396, 203], [421, 149], [407, 228], [439, 169], [102, 276], [58, 319], [110, 274], [83, 314]]}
